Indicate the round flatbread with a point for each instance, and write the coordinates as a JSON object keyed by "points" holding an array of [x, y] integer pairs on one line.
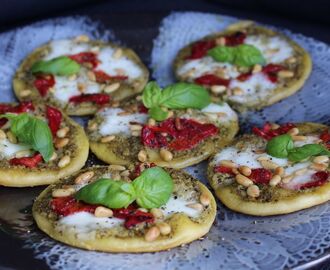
{"points": [[127, 134], [283, 72], [248, 180], [107, 72], [21, 166], [187, 216]]}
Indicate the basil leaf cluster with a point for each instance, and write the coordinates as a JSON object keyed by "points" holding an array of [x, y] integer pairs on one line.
{"points": [[243, 55], [32, 131], [151, 189], [176, 96], [62, 66], [282, 147]]}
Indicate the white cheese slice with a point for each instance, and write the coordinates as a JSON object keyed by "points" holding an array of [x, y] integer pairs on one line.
{"points": [[8, 149], [110, 65], [116, 124], [66, 47], [179, 205], [274, 49], [254, 88], [230, 114]]}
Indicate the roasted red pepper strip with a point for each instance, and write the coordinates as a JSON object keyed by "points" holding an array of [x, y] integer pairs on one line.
{"points": [[319, 178], [181, 134], [85, 57], [235, 39], [54, 117], [223, 169], [271, 71], [65, 206], [20, 108], [268, 133], [98, 99], [200, 49], [133, 216], [325, 137], [261, 176], [29, 162], [43, 83], [102, 77], [210, 79]]}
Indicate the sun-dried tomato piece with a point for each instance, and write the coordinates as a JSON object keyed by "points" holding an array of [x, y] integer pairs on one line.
{"points": [[235, 39], [271, 71], [223, 169], [65, 206], [54, 117], [268, 133], [85, 57], [133, 216], [29, 162], [200, 49], [325, 137], [244, 77], [261, 176], [210, 79], [102, 77], [43, 83], [99, 99], [319, 178]]}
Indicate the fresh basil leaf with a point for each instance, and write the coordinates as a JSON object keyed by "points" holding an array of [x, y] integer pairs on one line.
{"points": [[248, 55], [185, 95], [300, 153], [33, 132], [62, 66], [151, 95], [223, 54], [153, 188], [107, 192], [157, 113], [279, 146]]}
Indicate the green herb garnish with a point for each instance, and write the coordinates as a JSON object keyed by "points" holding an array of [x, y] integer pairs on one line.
{"points": [[62, 66]]}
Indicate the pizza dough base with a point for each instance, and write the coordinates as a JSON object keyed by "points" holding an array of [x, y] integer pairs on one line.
{"points": [[106, 154], [25, 177], [124, 91], [183, 231], [292, 202], [274, 95]]}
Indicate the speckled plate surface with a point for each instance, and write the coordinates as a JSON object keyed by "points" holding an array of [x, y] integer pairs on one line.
{"points": [[236, 241]]}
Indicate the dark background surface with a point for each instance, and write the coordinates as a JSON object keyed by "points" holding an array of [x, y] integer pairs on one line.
{"points": [[132, 18]]}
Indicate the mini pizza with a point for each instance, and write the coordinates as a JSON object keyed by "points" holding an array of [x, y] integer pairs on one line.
{"points": [[38, 145], [276, 170], [129, 133], [79, 75], [115, 209], [247, 65]]}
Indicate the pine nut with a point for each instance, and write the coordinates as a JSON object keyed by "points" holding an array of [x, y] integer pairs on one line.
{"points": [[235, 171], [291, 60], [243, 180], [274, 126], [11, 137], [321, 159], [22, 153], [72, 77], [102, 211], [152, 234], [164, 228], [237, 91], [157, 213], [165, 155], [92, 126], [53, 157], [279, 170], [299, 138], [91, 76], [135, 127], [268, 164], [228, 163], [64, 161], [245, 170], [125, 173], [196, 206], [300, 172], [169, 114], [84, 177], [61, 142], [117, 167], [204, 199], [82, 38], [138, 98], [218, 89], [293, 131], [253, 191], [142, 156], [116, 176], [285, 74], [107, 139], [151, 122], [62, 192], [287, 179], [111, 87], [189, 73], [2, 135], [61, 133], [117, 53], [256, 68], [276, 179], [25, 93], [220, 41], [124, 113], [81, 87], [319, 167], [263, 158]]}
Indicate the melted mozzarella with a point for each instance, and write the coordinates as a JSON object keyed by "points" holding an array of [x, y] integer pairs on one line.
{"points": [[274, 49], [253, 88], [8, 149], [178, 205], [65, 47], [115, 124], [110, 65], [207, 65], [213, 108]]}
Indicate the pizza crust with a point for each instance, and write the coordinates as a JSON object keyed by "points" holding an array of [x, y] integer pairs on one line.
{"points": [[21, 81], [184, 230], [24, 177], [290, 200], [275, 95]]}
